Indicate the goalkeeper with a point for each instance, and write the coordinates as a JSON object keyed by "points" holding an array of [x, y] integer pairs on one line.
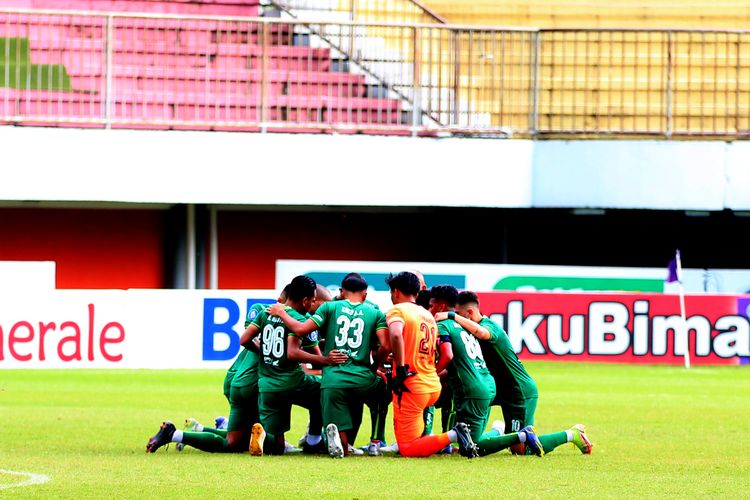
{"points": [[415, 384]]}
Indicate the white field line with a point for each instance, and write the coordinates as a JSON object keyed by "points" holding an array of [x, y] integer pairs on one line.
{"points": [[31, 480]]}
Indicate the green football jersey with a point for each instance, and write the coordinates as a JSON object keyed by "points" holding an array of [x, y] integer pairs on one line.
{"points": [[372, 304], [513, 381], [246, 365], [468, 375], [277, 372], [349, 327], [311, 339]]}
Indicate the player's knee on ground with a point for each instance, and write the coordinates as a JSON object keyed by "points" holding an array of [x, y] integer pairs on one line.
{"points": [[424, 446], [518, 449]]}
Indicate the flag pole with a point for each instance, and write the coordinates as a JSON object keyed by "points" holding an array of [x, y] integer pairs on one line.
{"points": [[682, 310]]}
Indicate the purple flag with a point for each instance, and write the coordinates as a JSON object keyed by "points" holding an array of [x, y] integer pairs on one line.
{"points": [[672, 274]]}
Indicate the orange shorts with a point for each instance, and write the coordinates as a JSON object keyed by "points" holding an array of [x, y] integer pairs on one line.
{"points": [[408, 419]]}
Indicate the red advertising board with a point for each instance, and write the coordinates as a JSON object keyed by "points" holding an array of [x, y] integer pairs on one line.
{"points": [[623, 328]]}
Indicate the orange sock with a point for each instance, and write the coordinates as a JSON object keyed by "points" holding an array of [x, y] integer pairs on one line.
{"points": [[424, 446]]}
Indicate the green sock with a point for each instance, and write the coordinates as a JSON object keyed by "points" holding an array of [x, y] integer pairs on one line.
{"points": [[552, 441], [205, 441], [218, 432], [448, 417], [429, 418], [492, 442], [378, 415]]}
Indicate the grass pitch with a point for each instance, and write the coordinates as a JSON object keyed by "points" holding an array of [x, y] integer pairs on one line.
{"points": [[657, 432]]}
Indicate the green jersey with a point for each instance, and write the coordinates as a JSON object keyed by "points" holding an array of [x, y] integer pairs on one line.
{"points": [[468, 375], [372, 304], [277, 372], [513, 381], [246, 364], [350, 328]]}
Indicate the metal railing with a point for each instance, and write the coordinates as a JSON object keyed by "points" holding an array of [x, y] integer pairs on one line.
{"points": [[258, 74], [367, 11]]}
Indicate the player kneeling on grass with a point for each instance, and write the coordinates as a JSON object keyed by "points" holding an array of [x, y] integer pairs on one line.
{"points": [[282, 381], [355, 328], [516, 391], [468, 377], [415, 384], [241, 389]]}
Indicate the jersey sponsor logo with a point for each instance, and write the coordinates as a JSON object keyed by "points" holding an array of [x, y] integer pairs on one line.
{"points": [[270, 361]]}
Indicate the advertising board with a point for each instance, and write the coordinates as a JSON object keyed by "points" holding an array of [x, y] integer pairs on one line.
{"points": [[520, 278], [162, 329]]}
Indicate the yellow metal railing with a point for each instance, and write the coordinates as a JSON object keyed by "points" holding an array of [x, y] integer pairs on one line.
{"points": [[553, 14]]}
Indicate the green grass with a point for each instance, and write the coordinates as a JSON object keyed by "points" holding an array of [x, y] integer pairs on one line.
{"points": [[657, 432], [17, 71]]}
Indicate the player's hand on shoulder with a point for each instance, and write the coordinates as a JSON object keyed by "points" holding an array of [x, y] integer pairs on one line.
{"points": [[275, 309], [441, 316]]}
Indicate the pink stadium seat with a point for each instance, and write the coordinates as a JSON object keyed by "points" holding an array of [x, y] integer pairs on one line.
{"points": [[248, 8], [186, 73]]}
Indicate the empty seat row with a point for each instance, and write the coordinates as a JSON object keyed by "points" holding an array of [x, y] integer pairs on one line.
{"points": [[172, 70]]}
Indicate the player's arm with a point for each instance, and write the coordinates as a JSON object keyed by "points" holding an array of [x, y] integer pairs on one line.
{"points": [[446, 356], [297, 327], [470, 326], [445, 348], [296, 353], [396, 338], [249, 334]]}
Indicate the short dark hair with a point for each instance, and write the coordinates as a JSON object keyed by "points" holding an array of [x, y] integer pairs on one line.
{"points": [[423, 298], [302, 287], [467, 298], [405, 282], [354, 282], [446, 293], [284, 293]]}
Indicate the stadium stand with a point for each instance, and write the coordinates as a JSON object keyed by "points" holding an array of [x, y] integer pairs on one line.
{"points": [[663, 14], [248, 8], [621, 67], [175, 72], [416, 75]]}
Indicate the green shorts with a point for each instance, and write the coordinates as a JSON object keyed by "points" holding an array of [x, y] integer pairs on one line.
{"points": [[475, 413], [518, 415], [276, 407], [343, 406], [243, 407]]}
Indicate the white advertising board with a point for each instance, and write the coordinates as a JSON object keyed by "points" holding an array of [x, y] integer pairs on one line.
{"points": [[520, 278], [124, 329], [27, 275], [199, 329]]}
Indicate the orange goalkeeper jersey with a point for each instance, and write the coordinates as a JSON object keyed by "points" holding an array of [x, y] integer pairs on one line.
{"points": [[420, 345]]}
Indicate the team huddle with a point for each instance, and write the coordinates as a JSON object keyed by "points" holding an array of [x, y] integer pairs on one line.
{"points": [[432, 349]]}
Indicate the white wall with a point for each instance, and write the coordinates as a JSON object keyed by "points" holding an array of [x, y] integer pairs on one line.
{"points": [[51, 164], [261, 169], [662, 175]]}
